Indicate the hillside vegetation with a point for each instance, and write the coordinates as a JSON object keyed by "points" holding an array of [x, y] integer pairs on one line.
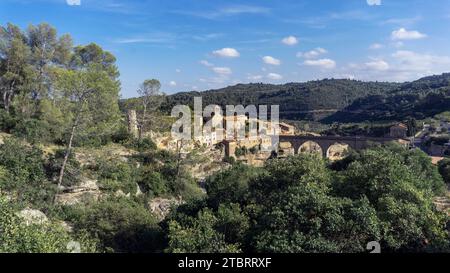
{"points": [[74, 178], [334, 100]]}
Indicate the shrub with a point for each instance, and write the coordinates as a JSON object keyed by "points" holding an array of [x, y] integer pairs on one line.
{"points": [[34, 131], [143, 145], [444, 170], [7, 121], [24, 174], [18, 237], [153, 183], [116, 175], [72, 174], [121, 225]]}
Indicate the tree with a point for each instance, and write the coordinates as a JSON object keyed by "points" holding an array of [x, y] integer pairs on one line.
{"points": [[152, 98], [199, 236], [301, 204], [444, 170], [121, 225], [42, 40], [403, 200], [15, 71], [86, 92]]}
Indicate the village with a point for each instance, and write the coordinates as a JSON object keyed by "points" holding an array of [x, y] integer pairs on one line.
{"points": [[253, 141]]}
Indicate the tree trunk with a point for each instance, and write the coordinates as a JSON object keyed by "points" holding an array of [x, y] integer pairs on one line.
{"points": [[67, 154]]}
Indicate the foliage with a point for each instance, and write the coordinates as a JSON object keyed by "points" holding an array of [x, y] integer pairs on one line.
{"points": [[18, 237], [24, 174], [230, 186], [143, 145], [304, 204], [199, 236], [444, 170], [121, 225], [53, 166], [117, 175]]}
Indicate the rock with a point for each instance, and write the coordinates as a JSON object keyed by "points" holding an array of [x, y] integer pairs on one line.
{"points": [[138, 191], [32, 216], [86, 191], [161, 207], [66, 226], [120, 193]]}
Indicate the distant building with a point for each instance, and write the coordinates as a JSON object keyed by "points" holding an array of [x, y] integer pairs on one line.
{"points": [[399, 130], [287, 129]]}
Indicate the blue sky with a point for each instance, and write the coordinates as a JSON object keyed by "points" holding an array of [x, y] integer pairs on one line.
{"points": [[200, 44]]}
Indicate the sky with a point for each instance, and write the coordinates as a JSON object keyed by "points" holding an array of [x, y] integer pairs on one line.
{"points": [[207, 44]]}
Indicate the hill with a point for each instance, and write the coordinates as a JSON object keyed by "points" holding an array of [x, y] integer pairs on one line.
{"points": [[311, 100], [420, 99], [330, 100]]}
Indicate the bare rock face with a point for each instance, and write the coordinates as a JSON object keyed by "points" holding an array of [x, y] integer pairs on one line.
{"points": [[87, 191], [31, 216], [161, 207]]}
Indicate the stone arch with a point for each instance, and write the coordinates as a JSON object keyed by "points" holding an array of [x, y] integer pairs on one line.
{"points": [[337, 151], [310, 147]]}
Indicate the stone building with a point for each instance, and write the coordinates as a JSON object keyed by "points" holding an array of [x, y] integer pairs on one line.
{"points": [[398, 130]]}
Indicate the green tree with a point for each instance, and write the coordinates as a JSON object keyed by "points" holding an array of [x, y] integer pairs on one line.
{"points": [[444, 170], [121, 225], [15, 71], [90, 94], [151, 97], [402, 199], [199, 236]]}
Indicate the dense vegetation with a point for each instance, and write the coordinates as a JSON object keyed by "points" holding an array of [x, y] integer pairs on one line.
{"points": [[61, 128], [310, 100], [303, 204], [335, 100], [57, 102]]}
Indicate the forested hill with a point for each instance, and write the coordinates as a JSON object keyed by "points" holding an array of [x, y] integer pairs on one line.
{"points": [[419, 99], [334, 100], [311, 100]]}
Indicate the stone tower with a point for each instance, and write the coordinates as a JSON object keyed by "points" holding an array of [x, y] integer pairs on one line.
{"points": [[132, 123]]}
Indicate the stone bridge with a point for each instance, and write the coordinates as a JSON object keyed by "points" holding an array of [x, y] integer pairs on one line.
{"points": [[326, 145]]}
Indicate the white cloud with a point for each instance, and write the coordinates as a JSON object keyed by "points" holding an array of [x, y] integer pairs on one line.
{"points": [[227, 52], [374, 2], [313, 53], [240, 9], [398, 44], [206, 63], [400, 66], [173, 83], [322, 63], [274, 76], [403, 34], [222, 70], [178, 70], [290, 40], [345, 76], [379, 65], [235, 10], [254, 77], [376, 46], [271, 60], [73, 2], [412, 61]]}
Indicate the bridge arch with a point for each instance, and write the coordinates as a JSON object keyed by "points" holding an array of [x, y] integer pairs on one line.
{"points": [[310, 147], [337, 150]]}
